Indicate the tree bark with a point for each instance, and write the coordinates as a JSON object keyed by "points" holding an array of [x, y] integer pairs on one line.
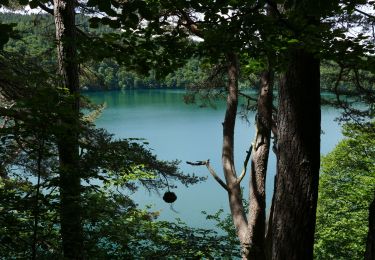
{"points": [[370, 244], [259, 161], [298, 154], [70, 188], [234, 190]]}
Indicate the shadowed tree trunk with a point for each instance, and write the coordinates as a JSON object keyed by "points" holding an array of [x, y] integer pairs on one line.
{"points": [[251, 231], [251, 234], [370, 244], [234, 190], [259, 160], [298, 131], [70, 212]]}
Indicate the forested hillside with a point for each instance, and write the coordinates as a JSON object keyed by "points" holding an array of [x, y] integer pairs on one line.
{"points": [[37, 32]]}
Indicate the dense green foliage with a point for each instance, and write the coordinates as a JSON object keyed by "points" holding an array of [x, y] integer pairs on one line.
{"points": [[37, 32], [113, 227], [347, 186], [110, 170]]}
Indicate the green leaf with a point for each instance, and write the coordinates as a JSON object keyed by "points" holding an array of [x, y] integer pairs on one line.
{"points": [[293, 41]]}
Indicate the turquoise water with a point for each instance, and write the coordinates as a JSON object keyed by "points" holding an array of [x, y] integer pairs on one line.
{"points": [[176, 130]]}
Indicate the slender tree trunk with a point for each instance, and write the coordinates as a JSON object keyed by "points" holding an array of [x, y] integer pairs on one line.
{"points": [[37, 193], [234, 190], [296, 189], [259, 161], [268, 238], [370, 245], [70, 212]]}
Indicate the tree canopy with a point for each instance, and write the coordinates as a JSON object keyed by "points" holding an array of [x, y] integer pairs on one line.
{"points": [[346, 191]]}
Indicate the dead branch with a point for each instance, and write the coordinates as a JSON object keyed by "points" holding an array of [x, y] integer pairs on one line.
{"points": [[365, 14], [212, 171], [247, 96], [243, 173]]}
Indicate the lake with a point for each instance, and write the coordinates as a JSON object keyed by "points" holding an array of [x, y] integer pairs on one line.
{"points": [[176, 130]]}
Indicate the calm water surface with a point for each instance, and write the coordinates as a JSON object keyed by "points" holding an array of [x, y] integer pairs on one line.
{"points": [[189, 133]]}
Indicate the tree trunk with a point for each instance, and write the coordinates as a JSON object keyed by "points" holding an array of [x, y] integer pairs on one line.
{"points": [[370, 244], [298, 152], [70, 212], [234, 190], [259, 161]]}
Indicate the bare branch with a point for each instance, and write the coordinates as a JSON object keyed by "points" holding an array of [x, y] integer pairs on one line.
{"points": [[45, 8], [217, 178], [365, 14], [248, 96], [243, 173], [197, 163], [212, 171]]}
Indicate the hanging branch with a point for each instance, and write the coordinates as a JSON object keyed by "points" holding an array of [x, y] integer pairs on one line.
{"points": [[212, 171]]}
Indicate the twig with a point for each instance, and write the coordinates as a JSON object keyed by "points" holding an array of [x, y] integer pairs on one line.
{"points": [[365, 14], [45, 8], [212, 171]]}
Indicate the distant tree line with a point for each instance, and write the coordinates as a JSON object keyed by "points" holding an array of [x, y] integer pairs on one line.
{"points": [[36, 32]]}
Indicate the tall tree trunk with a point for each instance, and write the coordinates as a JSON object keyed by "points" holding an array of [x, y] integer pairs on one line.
{"points": [[70, 212], [370, 245], [296, 189], [259, 161], [234, 190]]}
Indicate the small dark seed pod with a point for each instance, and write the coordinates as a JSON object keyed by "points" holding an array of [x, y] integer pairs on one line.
{"points": [[169, 197]]}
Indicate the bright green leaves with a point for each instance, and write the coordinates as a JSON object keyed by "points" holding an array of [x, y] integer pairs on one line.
{"points": [[293, 41], [346, 189], [250, 65]]}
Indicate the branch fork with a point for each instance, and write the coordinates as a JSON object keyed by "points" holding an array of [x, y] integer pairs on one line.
{"points": [[216, 177]]}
